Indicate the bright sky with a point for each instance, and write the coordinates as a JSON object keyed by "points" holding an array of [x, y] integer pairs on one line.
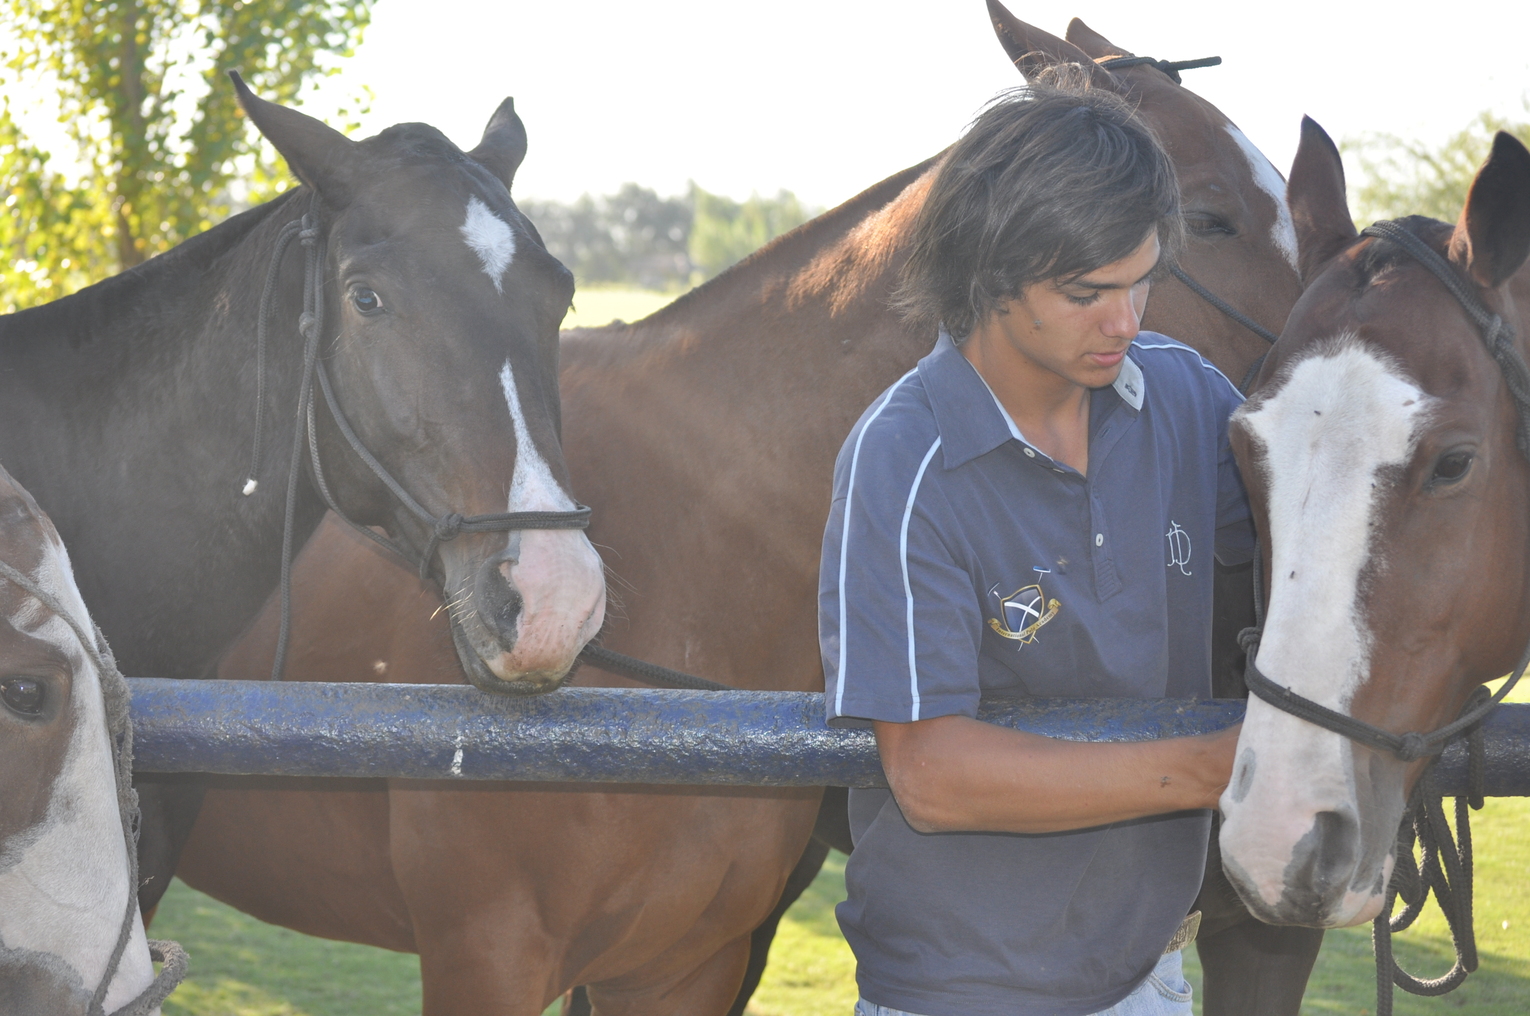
{"points": [[826, 97]]}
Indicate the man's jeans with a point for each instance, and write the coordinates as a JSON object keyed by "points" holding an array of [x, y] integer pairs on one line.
{"points": [[1164, 993]]}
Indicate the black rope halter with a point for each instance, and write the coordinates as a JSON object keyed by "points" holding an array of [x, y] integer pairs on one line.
{"points": [[442, 528], [1445, 865]]}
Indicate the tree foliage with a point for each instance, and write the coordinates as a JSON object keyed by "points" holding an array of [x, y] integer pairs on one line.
{"points": [[141, 91], [637, 238], [725, 231], [1402, 177]]}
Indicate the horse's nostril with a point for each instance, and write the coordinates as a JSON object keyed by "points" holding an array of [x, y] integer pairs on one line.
{"points": [[1324, 859], [499, 603]]}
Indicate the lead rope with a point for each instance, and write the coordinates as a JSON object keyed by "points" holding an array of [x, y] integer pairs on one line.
{"points": [[119, 729], [1445, 862]]}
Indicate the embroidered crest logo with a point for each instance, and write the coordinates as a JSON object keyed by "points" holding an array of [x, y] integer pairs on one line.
{"points": [[1179, 548], [1022, 613]]}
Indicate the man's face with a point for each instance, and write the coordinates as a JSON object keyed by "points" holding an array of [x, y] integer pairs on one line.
{"points": [[1086, 323]]}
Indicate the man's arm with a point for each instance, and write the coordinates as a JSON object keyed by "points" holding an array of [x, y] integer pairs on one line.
{"points": [[954, 773]]}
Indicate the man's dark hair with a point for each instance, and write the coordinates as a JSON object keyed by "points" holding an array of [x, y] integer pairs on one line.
{"points": [[1052, 181]]}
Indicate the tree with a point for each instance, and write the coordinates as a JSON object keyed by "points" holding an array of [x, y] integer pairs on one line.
{"points": [[141, 91], [633, 236], [1408, 177], [724, 231]]}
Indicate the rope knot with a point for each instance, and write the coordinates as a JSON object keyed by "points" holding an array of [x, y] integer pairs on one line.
{"points": [[447, 527], [1248, 639], [1413, 746], [306, 323]]}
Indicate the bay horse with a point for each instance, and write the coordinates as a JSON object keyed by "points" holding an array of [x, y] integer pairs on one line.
{"points": [[1380, 455], [704, 437], [70, 932], [163, 429]]}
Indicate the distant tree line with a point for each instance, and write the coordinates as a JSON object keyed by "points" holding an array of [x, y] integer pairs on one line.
{"points": [[1401, 177], [637, 238]]}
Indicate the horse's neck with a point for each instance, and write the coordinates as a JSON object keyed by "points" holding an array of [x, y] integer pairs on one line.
{"points": [[128, 410], [716, 421]]}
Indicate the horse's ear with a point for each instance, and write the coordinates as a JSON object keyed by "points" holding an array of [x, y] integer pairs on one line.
{"points": [[1493, 236], [321, 156], [1096, 45], [503, 145], [1316, 196], [1032, 51]]}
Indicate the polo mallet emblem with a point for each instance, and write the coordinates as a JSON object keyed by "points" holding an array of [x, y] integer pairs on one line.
{"points": [[1022, 612], [1179, 548]]}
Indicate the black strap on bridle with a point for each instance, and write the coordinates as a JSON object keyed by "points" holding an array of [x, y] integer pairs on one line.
{"points": [[1445, 866], [1169, 67], [442, 528], [1234, 313], [119, 729]]}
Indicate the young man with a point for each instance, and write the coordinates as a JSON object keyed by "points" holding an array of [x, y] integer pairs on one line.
{"points": [[1032, 511]]}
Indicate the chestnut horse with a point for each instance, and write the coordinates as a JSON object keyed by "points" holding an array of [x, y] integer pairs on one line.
{"points": [[704, 437], [1380, 454]]}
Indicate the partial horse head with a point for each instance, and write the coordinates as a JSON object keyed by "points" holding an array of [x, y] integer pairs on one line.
{"points": [[64, 875], [1241, 244], [1379, 452], [444, 309]]}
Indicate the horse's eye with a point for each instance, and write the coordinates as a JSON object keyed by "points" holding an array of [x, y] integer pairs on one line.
{"points": [[1207, 224], [366, 301], [1451, 467], [22, 695]]}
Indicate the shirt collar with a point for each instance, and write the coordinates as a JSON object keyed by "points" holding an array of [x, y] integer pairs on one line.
{"points": [[970, 418]]}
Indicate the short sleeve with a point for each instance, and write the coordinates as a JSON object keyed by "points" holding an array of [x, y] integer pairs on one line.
{"points": [[898, 617]]}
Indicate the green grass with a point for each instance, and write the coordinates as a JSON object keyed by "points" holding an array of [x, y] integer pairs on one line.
{"points": [[241, 967]]}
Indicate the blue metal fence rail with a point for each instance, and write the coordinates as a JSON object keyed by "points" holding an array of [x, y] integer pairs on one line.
{"points": [[612, 735]]}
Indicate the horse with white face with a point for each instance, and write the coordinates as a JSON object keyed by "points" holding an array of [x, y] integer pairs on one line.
{"points": [[66, 900], [1380, 456]]}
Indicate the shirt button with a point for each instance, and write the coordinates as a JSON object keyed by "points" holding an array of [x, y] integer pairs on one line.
{"points": [[1099, 539], [1030, 454]]}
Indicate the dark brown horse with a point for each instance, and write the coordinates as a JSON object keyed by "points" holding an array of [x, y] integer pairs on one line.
{"points": [[1380, 453], [134, 411], [704, 437]]}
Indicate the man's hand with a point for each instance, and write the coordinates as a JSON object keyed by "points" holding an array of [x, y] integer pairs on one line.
{"points": [[957, 774]]}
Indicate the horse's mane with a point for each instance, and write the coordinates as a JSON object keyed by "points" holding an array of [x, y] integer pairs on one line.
{"points": [[89, 314]]}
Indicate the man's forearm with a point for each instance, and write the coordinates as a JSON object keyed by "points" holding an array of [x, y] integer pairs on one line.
{"points": [[954, 773]]}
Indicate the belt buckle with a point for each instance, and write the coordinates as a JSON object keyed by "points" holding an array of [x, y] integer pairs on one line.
{"points": [[1186, 933]]}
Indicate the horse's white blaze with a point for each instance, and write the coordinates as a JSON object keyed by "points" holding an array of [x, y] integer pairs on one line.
{"points": [[1340, 419], [491, 239], [557, 571], [64, 883], [1283, 232]]}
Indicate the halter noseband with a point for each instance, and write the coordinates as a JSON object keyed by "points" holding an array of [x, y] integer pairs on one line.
{"points": [[442, 528]]}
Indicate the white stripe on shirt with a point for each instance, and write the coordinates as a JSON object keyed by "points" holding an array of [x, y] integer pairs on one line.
{"points": [[844, 533], [908, 593], [1204, 362]]}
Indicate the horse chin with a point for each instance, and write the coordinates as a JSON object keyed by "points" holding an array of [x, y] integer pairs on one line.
{"points": [[481, 674]]}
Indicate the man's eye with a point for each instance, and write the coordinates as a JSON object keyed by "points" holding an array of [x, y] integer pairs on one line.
{"points": [[1083, 301]]}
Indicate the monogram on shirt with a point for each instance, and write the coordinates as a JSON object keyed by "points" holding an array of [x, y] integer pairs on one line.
{"points": [[1179, 548]]}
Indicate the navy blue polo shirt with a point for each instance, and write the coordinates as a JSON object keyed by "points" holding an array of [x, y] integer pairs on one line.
{"points": [[962, 563]]}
